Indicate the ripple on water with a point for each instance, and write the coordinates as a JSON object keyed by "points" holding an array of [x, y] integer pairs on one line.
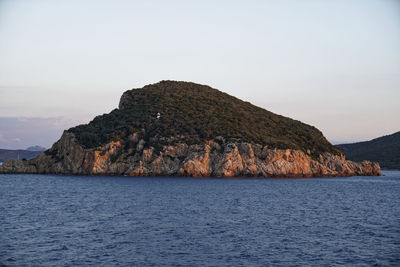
{"points": [[77, 220]]}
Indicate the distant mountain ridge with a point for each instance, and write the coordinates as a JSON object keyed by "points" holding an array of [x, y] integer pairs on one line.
{"points": [[385, 150], [36, 148], [8, 154]]}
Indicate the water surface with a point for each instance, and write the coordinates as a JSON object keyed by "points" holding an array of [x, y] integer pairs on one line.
{"points": [[50, 220]]}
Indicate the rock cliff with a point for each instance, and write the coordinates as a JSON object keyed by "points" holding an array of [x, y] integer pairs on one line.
{"points": [[185, 129], [217, 157]]}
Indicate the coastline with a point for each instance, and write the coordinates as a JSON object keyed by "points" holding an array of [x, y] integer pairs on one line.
{"points": [[208, 159]]}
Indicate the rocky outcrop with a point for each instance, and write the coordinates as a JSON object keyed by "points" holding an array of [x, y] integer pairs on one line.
{"points": [[219, 158]]}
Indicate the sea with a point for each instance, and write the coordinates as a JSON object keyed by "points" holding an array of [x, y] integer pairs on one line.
{"points": [[57, 220]]}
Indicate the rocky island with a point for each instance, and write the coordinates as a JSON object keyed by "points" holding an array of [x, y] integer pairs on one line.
{"points": [[185, 129]]}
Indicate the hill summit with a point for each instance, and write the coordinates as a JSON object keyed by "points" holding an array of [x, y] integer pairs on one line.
{"points": [[186, 129], [196, 113]]}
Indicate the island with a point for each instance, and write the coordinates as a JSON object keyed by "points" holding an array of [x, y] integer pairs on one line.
{"points": [[174, 128]]}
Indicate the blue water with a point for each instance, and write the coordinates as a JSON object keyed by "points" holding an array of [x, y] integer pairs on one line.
{"points": [[48, 220]]}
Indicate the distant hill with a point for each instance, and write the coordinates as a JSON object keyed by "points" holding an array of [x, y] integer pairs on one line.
{"points": [[385, 150], [36, 148], [8, 154]]}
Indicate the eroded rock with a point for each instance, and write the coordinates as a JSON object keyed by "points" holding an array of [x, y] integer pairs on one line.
{"points": [[211, 158]]}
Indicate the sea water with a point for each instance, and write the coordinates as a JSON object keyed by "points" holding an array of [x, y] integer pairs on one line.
{"points": [[50, 220]]}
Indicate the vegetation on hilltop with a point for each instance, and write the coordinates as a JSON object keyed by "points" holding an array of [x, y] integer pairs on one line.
{"points": [[385, 150], [197, 112]]}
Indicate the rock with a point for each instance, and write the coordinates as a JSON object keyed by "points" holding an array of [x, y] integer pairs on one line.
{"points": [[210, 158], [140, 145]]}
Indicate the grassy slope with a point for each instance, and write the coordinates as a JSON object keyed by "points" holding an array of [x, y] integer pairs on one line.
{"points": [[385, 150], [199, 112]]}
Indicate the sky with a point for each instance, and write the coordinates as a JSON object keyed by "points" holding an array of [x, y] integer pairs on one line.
{"points": [[331, 64]]}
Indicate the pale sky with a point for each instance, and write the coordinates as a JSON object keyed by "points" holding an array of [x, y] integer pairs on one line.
{"points": [[332, 64]]}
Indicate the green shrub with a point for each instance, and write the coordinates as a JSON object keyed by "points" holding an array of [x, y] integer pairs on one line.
{"points": [[199, 113]]}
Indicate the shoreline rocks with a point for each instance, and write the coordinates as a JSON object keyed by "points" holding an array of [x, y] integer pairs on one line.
{"points": [[212, 158]]}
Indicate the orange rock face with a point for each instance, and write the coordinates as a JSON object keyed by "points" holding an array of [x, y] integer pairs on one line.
{"points": [[229, 159]]}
